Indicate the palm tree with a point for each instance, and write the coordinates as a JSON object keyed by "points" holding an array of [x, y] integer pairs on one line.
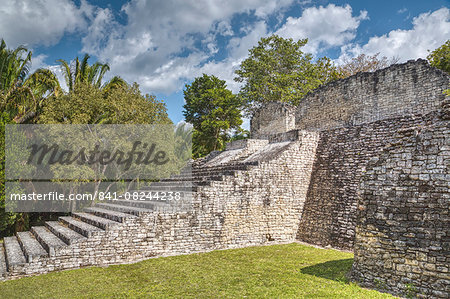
{"points": [[22, 94], [81, 72]]}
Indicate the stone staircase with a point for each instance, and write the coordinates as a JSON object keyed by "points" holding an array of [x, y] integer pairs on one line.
{"points": [[51, 239], [121, 231]]}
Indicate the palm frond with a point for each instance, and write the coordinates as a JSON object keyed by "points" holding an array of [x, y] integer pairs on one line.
{"points": [[115, 82], [67, 72], [84, 69], [103, 70]]}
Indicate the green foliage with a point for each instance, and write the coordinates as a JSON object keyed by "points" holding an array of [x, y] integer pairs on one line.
{"points": [[81, 72], [87, 104], [213, 111], [278, 70], [410, 290], [277, 271], [21, 97], [243, 134], [37, 97], [7, 220], [183, 137], [440, 58], [22, 94]]}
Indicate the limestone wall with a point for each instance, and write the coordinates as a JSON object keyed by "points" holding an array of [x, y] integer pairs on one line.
{"points": [[401, 89], [402, 240], [329, 216], [272, 118]]}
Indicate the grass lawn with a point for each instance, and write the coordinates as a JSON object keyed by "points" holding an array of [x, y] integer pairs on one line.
{"points": [[278, 271]]}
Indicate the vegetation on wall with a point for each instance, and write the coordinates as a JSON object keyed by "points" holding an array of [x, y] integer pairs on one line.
{"points": [[440, 58], [364, 63]]}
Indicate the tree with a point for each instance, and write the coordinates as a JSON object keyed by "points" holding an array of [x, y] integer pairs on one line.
{"points": [[87, 104], [81, 72], [7, 219], [213, 111], [364, 63], [21, 94], [440, 58], [277, 70]]}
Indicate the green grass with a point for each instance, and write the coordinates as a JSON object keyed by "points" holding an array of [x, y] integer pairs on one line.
{"points": [[278, 271]]}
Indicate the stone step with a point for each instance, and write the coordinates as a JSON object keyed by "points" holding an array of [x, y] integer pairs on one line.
{"points": [[80, 227], [205, 173], [174, 187], [194, 179], [109, 214], [31, 247], [144, 204], [48, 240], [233, 166], [13, 252], [2, 262], [157, 197], [124, 209], [100, 222], [69, 236]]}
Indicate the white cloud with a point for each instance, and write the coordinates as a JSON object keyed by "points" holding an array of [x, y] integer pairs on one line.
{"points": [[37, 62], [430, 30], [238, 47], [41, 22], [224, 70], [224, 28], [97, 32], [159, 46], [246, 123], [324, 27], [305, 26], [268, 7], [171, 76]]}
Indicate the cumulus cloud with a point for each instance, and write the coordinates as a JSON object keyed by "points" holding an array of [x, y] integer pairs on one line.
{"points": [[98, 32], [430, 30], [325, 27], [159, 46], [37, 62], [165, 44], [41, 22]]}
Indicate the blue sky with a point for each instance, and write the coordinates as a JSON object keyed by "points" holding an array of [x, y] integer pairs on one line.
{"points": [[162, 45]]}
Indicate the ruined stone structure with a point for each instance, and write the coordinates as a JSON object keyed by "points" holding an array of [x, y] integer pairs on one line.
{"points": [[380, 183], [251, 194], [361, 164]]}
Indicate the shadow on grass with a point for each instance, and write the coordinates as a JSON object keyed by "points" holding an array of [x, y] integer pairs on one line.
{"points": [[334, 270]]}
